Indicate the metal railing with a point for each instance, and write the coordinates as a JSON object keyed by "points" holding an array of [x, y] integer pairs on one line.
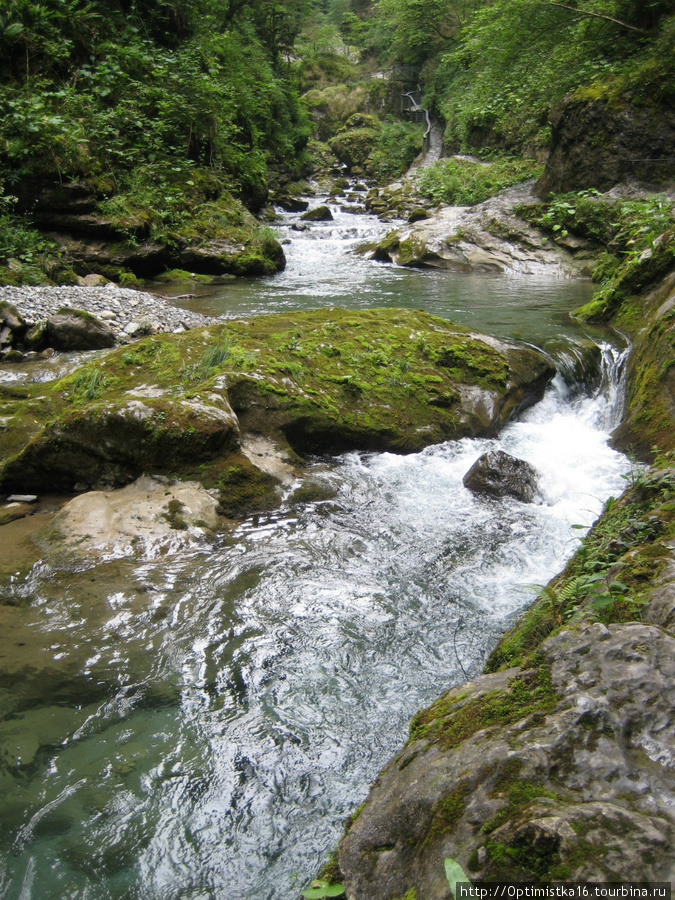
{"points": [[410, 104]]}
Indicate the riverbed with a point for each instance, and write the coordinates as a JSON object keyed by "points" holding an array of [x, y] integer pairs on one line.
{"points": [[200, 726]]}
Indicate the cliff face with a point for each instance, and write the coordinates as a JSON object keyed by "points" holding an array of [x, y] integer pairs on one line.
{"points": [[597, 144], [557, 763]]}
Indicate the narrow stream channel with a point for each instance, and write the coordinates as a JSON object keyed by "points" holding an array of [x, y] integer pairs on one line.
{"points": [[200, 726]]}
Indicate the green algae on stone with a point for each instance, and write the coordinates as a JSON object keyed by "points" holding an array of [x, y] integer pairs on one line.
{"points": [[322, 381]]}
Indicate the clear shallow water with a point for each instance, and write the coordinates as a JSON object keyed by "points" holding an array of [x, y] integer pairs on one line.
{"points": [[323, 270], [200, 726]]}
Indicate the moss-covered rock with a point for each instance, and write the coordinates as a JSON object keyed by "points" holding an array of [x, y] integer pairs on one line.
{"points": [[323, 381]]}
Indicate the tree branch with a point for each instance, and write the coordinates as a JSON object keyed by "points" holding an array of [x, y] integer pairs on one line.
{"points": [[594, 15]]}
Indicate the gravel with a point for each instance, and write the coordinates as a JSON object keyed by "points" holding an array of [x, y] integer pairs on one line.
{"points": [[129, 313]]}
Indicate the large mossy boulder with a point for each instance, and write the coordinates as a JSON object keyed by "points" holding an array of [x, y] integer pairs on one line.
{"points": [[71, 329], [317, 382], [356, 141]]}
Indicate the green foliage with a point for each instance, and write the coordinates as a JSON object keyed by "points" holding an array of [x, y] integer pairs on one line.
{"points": [[398, 143], [465, 182], [87, 384], [319, 890], [416, 29], [454, 873], [26, 256], [87, 91], [212, 358], [515, 59], [624, 226]]}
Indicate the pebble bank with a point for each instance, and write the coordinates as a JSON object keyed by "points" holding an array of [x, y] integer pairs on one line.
{"points": [[128, 312]]}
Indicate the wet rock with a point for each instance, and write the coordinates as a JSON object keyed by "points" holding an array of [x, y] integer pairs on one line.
{"points": [[497, 474], [149, 517], [488, 237], [12, 511], [418, 215], [22, 736], [109, 426], [563, 772], [10, 317], [110, 445], [290, 203], [318, 214], [77, 330]]}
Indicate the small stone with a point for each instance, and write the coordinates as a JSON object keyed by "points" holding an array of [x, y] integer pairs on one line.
{"points": [[132, 329], [12, 511], [22, 498]]}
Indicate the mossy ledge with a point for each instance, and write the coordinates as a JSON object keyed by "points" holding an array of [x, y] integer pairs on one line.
{"points": [[533, 771], [314, 382]]}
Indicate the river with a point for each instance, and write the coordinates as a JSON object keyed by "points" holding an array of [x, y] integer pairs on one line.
{"points": [[200, 726]]}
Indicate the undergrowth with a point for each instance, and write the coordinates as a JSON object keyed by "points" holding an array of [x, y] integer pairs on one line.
{"points": [[466, 182]]}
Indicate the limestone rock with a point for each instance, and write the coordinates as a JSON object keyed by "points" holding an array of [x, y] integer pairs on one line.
{"points": [[92, 280], [488, 237], [497, 474], [149, 517], [112, 444], [77, 330], [10, 512], [564, 772], [107, 424]]}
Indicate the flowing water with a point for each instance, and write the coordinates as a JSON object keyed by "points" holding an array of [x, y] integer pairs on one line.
{"points": [[200, 726]]}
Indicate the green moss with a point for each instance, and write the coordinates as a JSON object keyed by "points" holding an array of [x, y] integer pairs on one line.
{"points": [[411, 251], [409, 895], [525, 861], [178, 276], [174, 515], [448, 722], [331, 873], [447, 812], [519, 794], [243, 489], [637, 274]]}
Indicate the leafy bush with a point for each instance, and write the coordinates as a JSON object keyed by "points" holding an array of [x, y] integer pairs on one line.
{"points": [[465, 182], [625, 227]]}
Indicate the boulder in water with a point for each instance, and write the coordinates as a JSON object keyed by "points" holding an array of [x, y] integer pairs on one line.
{"points": [[499, 475], [320, 214]]}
